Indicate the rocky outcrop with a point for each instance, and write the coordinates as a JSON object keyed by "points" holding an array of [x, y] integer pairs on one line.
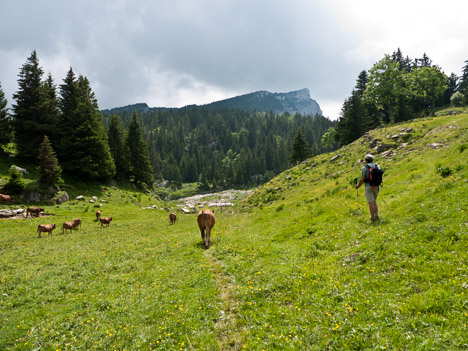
{"points": [[298, 101]]}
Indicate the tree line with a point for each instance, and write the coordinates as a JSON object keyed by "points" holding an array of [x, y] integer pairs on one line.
{"points": [[397, 89], [221, 148], [60, 128]]}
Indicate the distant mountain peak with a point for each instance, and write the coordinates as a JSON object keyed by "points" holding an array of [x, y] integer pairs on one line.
{"points": [[298, 101]]}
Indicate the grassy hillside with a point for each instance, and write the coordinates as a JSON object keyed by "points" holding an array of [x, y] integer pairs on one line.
{"points": [[297, 265]]}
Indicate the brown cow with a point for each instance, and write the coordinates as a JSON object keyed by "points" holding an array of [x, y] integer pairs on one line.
{"points": [[98, 215], [6, 198], [77, 222], [172, 217], [67, 226], [34, 210], [105, 220], [45, 228], [206, 221]]}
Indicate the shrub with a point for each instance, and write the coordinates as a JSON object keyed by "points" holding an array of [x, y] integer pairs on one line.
{"points": [[457, 99], [444, 171], [15, 184]]}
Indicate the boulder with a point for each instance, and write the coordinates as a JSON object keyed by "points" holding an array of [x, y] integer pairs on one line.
{"points": [[374, 142], [383, 147], [5, 213], [80, 197], [387, 153], [19, 169], [336, 157], [63, 197]]}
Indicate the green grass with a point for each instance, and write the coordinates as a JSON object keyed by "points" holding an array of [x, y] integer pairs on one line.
{"points": [[296, 266]]}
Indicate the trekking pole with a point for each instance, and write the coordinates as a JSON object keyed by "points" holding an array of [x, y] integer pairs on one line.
{"points": [[357, 194], [357, 190]]}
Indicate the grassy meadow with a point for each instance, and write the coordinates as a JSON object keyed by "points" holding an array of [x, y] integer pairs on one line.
{"points": [[297, 265]]}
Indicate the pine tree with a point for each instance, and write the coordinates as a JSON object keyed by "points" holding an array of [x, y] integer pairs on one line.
{"points": [[300, 148], [49, 167], [82, 147], [51, 107], [354, 120], [463, 87], [140, 164], [5, 123], [118, 148], [15, 184], [32, 117], [361, 83]]}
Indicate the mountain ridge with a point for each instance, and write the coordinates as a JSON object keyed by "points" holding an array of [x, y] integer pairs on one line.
{"points": [[297, 101]]}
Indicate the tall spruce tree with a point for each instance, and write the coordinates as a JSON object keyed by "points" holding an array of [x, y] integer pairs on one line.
{"points": [[5, 123], [49, 167], [118, 148], [82, 146], [140, 164], [463, 87], [31, 113], [300, 148], [354, 120], [51, 107]]}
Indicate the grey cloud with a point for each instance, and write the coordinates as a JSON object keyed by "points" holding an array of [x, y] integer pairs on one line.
{"points": [[232, 45]]}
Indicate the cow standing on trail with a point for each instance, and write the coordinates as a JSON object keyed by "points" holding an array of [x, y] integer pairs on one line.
{"points": [[206, 221]]}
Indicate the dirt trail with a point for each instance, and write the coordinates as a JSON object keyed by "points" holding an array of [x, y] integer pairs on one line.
{"points": [[226, 324]]}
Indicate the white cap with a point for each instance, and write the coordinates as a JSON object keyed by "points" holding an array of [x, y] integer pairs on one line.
{"points": [[369, 157]]}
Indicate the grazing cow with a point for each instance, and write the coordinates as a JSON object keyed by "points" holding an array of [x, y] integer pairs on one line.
{"points": [[172, 217], [6, 198], [34, 210], [67, 226], [98, 215], [77, 222], [105, 220], [45, 228], [206, 221]]}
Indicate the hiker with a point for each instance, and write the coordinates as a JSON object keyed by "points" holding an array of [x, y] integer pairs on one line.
{"points": [[370, 191]]}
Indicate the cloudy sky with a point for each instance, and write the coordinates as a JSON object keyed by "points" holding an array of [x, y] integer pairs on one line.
{"points": [[173, 53]]}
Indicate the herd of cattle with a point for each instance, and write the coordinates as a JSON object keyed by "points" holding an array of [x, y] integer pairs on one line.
{"points": [[48, 228], [205, 219]]}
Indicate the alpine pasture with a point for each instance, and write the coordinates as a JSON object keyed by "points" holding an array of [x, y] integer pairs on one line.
{"points": [[296, 265]]}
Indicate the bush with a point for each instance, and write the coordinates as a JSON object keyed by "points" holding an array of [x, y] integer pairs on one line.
{"points": [[444, 171], [15, 184], [457, 99]]}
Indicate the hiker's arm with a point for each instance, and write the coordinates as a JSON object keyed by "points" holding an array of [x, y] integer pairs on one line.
{"points": [[359, 183]]}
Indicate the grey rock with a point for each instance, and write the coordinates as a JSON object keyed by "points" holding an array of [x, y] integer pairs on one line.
{"points": [[383, 147], [62, 198]]}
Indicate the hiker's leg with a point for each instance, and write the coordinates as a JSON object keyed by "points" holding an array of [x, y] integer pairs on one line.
{"points": [[373, 208], [376, 208], [370, 197]]}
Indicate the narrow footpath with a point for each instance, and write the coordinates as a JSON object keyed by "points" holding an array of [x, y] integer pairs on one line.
{"points": [[226, 325]]}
